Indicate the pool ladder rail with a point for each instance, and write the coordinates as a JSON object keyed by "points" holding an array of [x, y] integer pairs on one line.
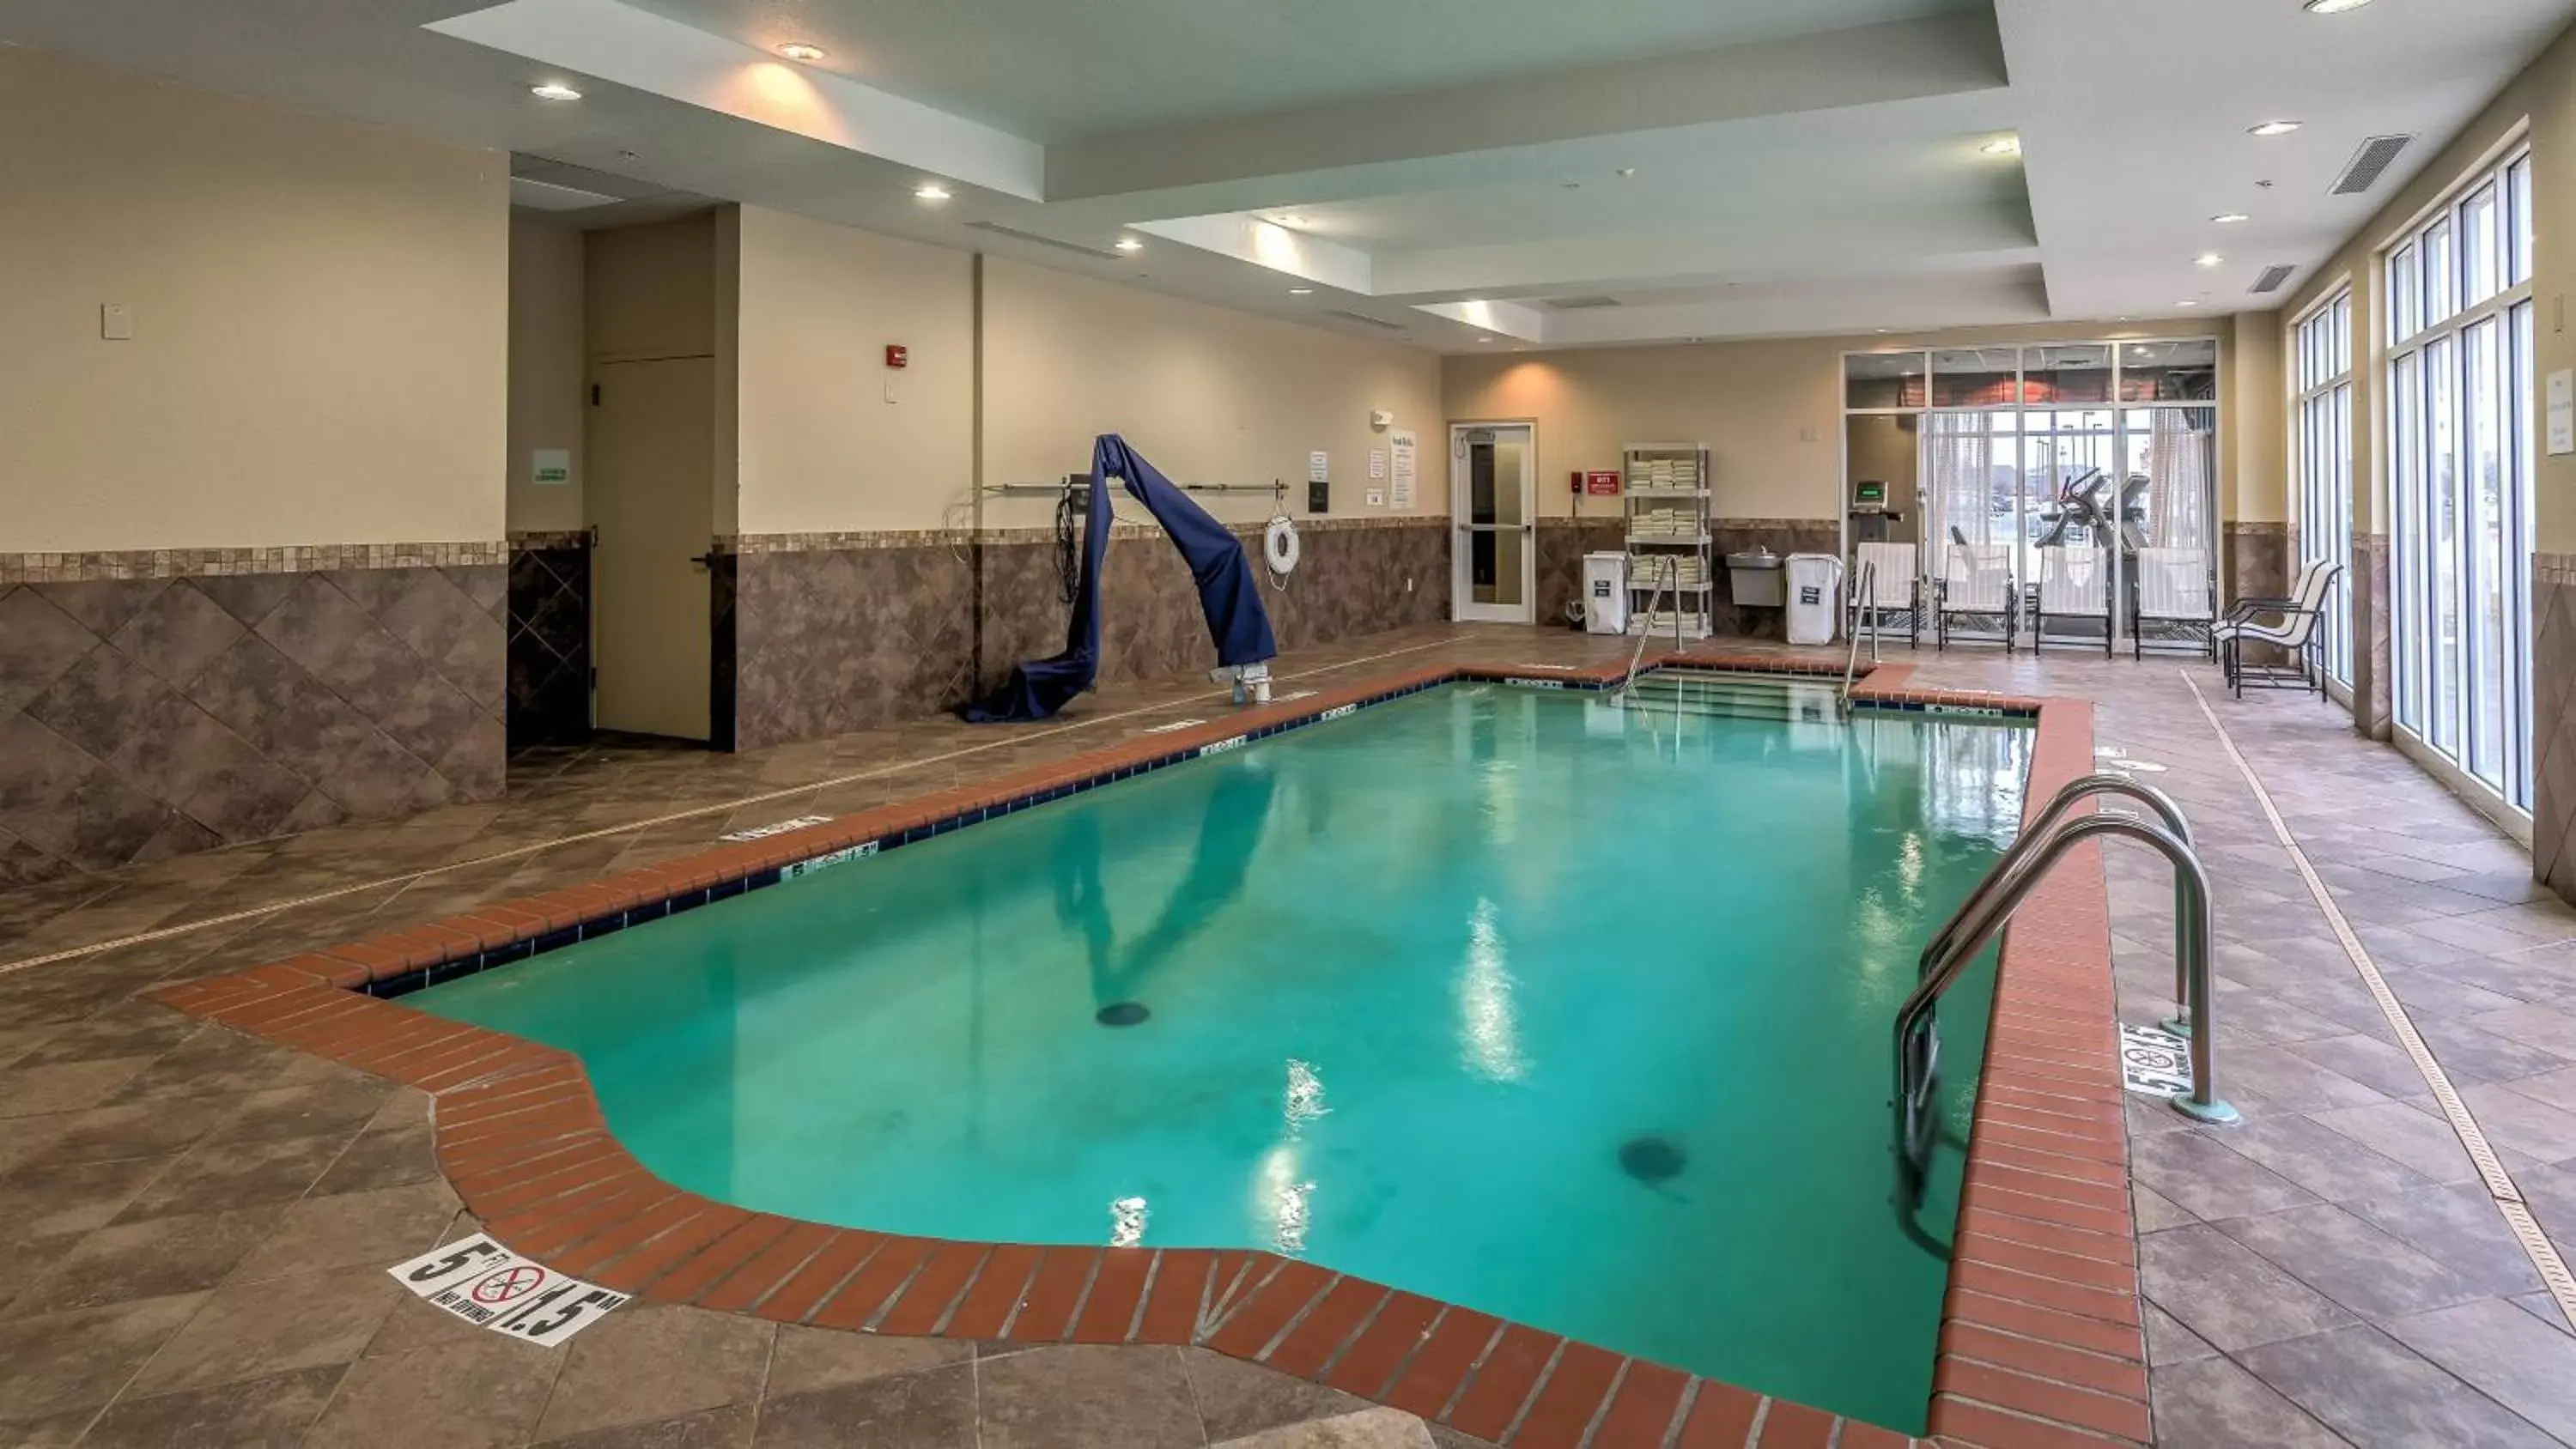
{"points": [[1664, 582], [1992, 903], [1861, 587]]}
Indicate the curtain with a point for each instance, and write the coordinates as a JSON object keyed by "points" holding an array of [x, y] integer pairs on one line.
{"points": [[2180, 459], [1959, 483]]}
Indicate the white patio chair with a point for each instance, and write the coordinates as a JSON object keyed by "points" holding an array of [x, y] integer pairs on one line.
{"points": [[2074, 583], [1977, 583], [2175, 591], [1887, 583], [2292, 625]]}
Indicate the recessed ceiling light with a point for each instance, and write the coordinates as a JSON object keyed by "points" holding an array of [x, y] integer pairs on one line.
{"points": [[2230, 218], [554, 91], [1130, 244], [2274, 128], [1291, 221], [931, 191], [2207, 259], [799, 50], [2186, 303], [2002, 146], [1301, 291], [1627, 170], [1484, 339], [2333, 7]]}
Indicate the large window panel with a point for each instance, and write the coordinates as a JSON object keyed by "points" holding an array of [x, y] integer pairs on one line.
{"points": [[2461, 463], [2323, 501]]}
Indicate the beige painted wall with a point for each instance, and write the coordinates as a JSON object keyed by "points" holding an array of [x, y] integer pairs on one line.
{"points": [[320, 322], [2544, 95], [547, 368], [1208, 395], [1770, 411], [823, 447], [2256, 391]]}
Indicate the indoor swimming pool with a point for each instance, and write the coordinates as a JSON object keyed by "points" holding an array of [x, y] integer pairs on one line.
{"points": [[1566, 1008]]}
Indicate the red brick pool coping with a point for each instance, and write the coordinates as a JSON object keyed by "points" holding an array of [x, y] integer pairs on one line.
{"points": [[2041, 1340]]}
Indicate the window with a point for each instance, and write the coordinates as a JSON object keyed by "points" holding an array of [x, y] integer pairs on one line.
{"points": [[2323, 425], [2110, 447], [2461, 468]]}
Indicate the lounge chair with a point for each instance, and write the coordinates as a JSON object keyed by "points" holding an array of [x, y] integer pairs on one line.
{"points": [[1977, 583], [2290, 625], [2174, 592], [2074, 583], [1887, 587]]}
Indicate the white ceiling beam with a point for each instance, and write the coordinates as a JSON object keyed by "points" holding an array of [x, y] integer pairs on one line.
{"points": [[1242, 163], [645, 52], [1917, 240]]}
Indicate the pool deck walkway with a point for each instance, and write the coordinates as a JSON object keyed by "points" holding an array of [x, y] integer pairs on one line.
{"points": [[194, 1223]]}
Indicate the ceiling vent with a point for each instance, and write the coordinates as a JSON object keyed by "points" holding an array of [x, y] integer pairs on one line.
{"points": [[1367, 320], [1580, 304], [2273, 278], [2369, 164], [1045, 241]]}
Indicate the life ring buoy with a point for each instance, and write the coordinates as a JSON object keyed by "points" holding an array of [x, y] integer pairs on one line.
{"points": [[1280, 546]]}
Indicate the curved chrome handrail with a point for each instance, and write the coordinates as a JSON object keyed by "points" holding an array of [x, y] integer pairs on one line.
{"points": [[1646, 631], [1917, 1047], [2099, 783], [1865, 584]]}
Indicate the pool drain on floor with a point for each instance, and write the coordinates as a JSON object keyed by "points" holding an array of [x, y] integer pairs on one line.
{"points": [[1653, 1161], [1121, 1013]]}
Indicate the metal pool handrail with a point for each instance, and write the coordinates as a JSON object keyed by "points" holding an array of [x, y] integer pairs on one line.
{"points": [[1863, 584], [1918, 1043], [2103, 783], [1646, 631]]}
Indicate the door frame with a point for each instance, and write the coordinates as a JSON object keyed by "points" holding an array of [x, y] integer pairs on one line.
{"points": [[1461, 606]]}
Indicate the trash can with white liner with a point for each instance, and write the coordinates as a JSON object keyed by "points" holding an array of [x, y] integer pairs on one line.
{"points": [[1815, 597], [1605, 593]]}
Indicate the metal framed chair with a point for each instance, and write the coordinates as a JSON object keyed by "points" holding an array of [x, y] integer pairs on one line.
{"points": [[2175, 593], [1977, 583], [2074, 583], [2291, 625], [1894, 595]]}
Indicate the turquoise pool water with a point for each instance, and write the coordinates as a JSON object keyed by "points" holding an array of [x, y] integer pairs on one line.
{"points": [[1573, 1014]]}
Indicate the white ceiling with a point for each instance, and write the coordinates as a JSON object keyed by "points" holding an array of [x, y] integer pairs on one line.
{"points": [[1445, 166]]}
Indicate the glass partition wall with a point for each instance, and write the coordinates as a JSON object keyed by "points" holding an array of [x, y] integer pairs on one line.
{"points": [[2323, 434], [2460, 381], [2099, 449]]}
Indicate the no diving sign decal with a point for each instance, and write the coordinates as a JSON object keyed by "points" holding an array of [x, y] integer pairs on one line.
{"points": [[484, 1283]]}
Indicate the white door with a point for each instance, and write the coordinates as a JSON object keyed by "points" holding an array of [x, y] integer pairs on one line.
{"points": [[651, 496], [1493, 493]]}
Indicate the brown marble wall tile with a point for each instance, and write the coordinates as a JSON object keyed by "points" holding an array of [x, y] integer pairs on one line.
{"points": [[2374, 672], [2553, 724], [549, 641], [824, 642], [145, 717]]}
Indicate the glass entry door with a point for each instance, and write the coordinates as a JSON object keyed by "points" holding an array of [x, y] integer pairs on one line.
{"points": [[1493, 492]]}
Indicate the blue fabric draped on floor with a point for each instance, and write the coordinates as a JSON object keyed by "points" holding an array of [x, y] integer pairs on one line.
{"points": [[1229, 593]]}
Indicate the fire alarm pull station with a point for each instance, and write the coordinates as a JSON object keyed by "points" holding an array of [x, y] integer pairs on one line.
{"points": [[898, 355]]}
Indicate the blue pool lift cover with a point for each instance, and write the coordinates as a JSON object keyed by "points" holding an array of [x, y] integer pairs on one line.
{"points": [[1229, 593]]}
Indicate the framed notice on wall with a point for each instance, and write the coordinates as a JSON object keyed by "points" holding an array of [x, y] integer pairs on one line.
{"points": [[1400, 465]]}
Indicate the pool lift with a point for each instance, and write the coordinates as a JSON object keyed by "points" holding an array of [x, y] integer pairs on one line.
{"points": [[1983, 914], [1229, 595]]}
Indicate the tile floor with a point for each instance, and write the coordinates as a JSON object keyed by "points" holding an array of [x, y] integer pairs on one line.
{"points": [[193, 1226]]}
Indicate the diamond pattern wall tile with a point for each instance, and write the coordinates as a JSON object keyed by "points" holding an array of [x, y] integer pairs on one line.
{"points": [[143, 718]]}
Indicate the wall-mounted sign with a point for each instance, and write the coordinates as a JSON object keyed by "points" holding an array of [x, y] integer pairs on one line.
{"points": [[1602, 484], [552, 467], [898, 355], [2562, 412], [1319, 467], [1377, 464], [1399, 453]]}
